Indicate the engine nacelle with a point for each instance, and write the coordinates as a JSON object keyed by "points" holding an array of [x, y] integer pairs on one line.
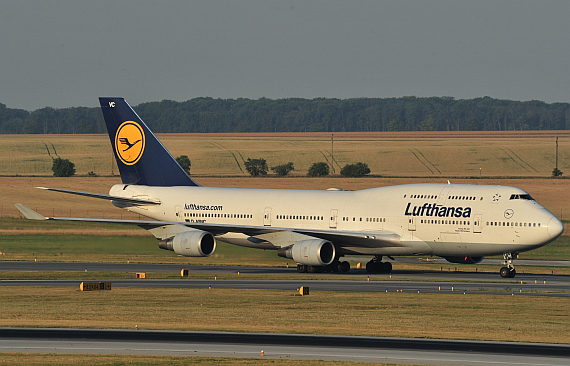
{"points": [[464, 260], [194, 243], [314, 252]]}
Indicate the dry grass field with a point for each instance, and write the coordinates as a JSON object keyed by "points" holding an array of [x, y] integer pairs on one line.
{"points": [[407, 154], [361, 314], [17, 359]]}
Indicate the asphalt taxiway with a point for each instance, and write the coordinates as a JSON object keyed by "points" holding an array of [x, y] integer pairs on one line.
{"points": [[281, 346], [357, 280]]}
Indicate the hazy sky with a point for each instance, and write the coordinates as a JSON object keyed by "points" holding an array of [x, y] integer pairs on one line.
{"points": [[68, 53]]}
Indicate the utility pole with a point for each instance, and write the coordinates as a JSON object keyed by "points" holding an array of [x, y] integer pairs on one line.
{"points": [[332, 152], [556, 153]]}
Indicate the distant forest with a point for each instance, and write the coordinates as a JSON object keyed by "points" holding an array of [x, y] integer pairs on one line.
{"points": [[304, 115]]}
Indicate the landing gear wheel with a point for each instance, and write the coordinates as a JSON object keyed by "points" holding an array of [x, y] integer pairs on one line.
{"points": [[301, 268], [377, 266], [314, 269], [344, 267], [508, 271]]}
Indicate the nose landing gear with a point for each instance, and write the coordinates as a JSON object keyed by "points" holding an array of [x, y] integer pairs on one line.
{"points": [[508, 271]]}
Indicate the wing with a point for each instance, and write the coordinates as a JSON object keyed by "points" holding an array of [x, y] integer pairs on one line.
{"points": [[134, 201], [340, 238]]}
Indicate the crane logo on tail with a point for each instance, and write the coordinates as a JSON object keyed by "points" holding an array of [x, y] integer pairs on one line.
{"points": [[129, 142]]}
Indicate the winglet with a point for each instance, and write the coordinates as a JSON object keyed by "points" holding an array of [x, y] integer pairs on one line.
{"points": [[29, 213]]}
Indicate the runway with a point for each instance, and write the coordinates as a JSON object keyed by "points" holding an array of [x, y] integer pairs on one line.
{"points": [[281, 346]]}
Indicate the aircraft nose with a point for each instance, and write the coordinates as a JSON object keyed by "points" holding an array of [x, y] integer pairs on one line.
{"points": [[555, 227]]}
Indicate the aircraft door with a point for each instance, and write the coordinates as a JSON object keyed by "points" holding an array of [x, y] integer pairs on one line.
{"points": [[267, 217], [412, 223], [443, 195], [333, 219], [477, 223], [179, 213]]}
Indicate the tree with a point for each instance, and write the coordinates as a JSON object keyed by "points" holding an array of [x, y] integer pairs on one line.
{"points": [[256, 167], [63, 167], [355, 170], [556, 172], [395, 125], [318, 170], [284, 169], [184, 163], [428, 124]]}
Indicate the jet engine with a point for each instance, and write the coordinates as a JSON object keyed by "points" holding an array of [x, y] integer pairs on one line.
{"points": [[194, 243], [464, 260], [314, 252]]}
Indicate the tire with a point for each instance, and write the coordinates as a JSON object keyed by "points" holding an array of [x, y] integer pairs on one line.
{"points": [[301, 268], [370, 267], [315, 269], [378, 266], [337, 267], [344, 267], [387, 267], [504, 272], [512, 273]]}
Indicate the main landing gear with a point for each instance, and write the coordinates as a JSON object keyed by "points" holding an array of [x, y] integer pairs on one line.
{"points": [[377, 266], [335, 267], [508, 271]]}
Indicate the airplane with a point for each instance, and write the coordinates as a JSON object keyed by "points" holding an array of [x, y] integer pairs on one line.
{"points": [[315, 228]]}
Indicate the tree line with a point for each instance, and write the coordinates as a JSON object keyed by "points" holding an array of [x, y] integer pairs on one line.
{"points": [[304, 115]]}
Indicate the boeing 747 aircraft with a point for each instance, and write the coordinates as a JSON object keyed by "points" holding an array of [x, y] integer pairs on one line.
{"points": [[461, 223]]}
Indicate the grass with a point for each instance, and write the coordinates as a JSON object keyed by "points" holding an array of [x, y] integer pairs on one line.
{"points": [[457, 316], [88, 248], [17, 359]]}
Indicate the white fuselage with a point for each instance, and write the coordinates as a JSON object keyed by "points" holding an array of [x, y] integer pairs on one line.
{"points": [[431, 219]]}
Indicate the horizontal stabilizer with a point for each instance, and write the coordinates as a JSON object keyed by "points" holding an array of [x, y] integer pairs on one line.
{"points": [[105, 196], [29, 213]]}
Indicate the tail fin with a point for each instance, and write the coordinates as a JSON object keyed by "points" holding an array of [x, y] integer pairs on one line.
{"points": [[141, 158]]}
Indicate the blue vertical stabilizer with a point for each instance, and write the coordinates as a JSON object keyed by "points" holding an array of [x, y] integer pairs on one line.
{"points": [[141, 158]]}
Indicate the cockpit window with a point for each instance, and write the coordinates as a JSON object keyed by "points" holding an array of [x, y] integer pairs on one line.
{"points": [[521, 197]]}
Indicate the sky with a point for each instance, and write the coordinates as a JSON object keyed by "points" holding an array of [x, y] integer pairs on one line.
{"points": [[68, 53]]}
